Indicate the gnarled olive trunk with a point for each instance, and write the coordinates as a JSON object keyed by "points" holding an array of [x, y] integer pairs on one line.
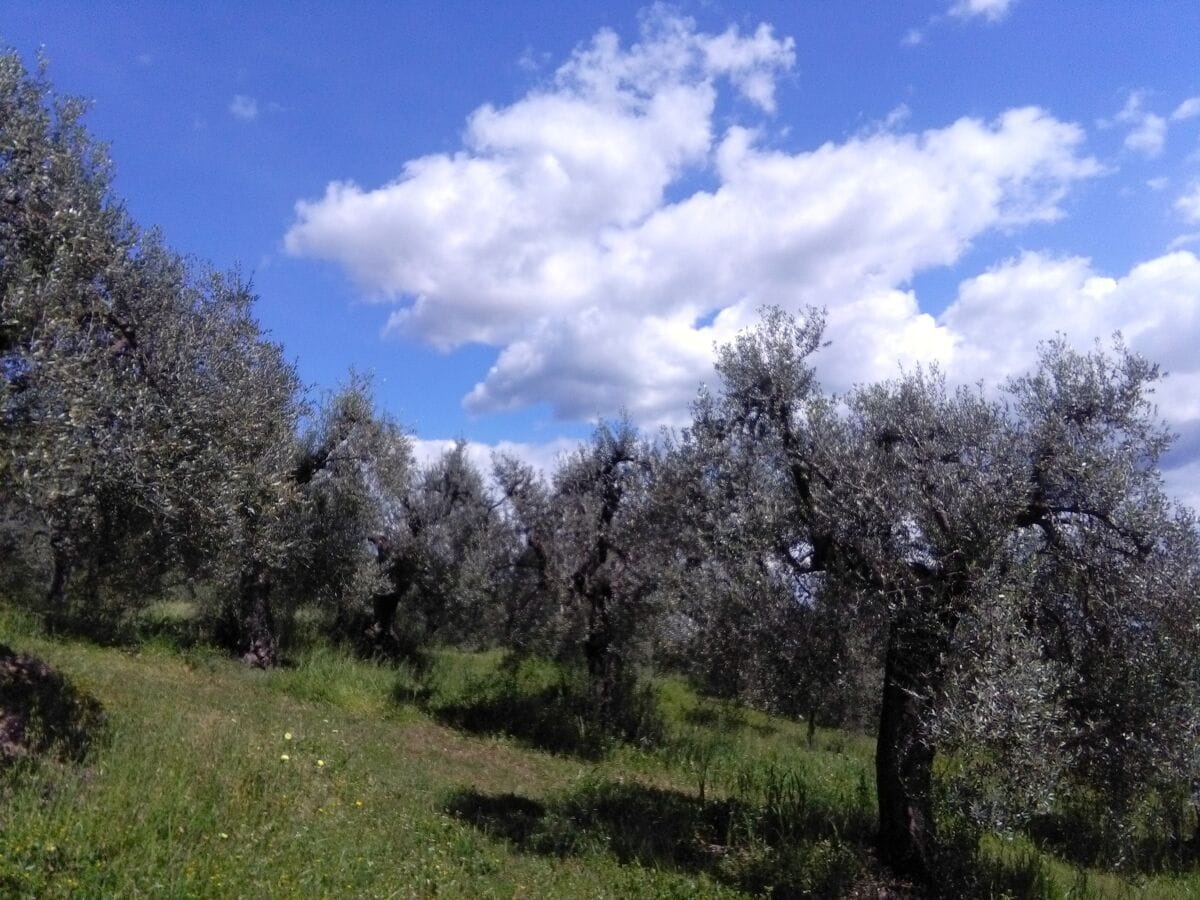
{"points": [[606, 673], [258, 640], [381, 634], [402, 572], [914, 672]]}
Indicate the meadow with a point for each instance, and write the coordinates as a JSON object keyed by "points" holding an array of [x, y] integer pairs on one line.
{"points": [[462, 777]]}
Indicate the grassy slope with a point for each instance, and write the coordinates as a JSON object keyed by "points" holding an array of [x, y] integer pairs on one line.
{"points": [[191, 794]]}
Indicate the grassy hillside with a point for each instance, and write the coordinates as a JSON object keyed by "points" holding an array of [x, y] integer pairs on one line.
{"points": [[341, 778]]}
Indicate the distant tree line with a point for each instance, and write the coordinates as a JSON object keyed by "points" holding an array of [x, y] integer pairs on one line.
{"points": [[1000, 579]]}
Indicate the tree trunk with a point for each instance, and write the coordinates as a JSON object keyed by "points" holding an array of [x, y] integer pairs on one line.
{"points": [[258, 639], [604, 666], [913, 672], [56, 595], [381, 634], [91, 586], [599, 659]]}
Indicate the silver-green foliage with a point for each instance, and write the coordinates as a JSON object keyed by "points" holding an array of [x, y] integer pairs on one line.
{"points": [[1032, 592], [147, 420]]}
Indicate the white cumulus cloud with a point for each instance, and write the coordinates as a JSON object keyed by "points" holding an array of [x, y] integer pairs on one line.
{"points": [[999, 316], [550, 234], [561, 234], [989, 10], [1188, 203]]}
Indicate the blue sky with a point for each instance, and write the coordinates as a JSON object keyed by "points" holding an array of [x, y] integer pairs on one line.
{"points": [[520, 216]]}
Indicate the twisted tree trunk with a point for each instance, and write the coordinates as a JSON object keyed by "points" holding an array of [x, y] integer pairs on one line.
{"points": [[259, 641], [914, 673]]}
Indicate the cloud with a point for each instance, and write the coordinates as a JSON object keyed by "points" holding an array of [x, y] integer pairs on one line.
{"points": [[897, 116], [1189, 202], [243, 108], [550, 234], [562, 234], [542, 456], [1183, 483], [999, 316], [991, 331], [1148, 137], [988, 10], [1149, 131], [1188, 109]]}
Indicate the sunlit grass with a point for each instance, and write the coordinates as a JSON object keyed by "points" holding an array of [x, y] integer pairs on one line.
{"points": [[335, 777]]}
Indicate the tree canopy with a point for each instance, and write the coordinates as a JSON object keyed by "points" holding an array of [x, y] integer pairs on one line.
{"points": [[1015, 557]]}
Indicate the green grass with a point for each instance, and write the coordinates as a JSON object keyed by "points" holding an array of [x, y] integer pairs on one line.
{"points": [[189, 793]]}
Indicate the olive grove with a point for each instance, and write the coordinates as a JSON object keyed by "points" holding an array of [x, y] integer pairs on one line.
{"points": [[993, 577]]}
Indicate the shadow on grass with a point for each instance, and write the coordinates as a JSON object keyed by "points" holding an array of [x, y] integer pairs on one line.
{"points": [[789, 843], [42, 712], [727, 839], [554, 718], [725, 719], [541, 705], [1162, 835]]}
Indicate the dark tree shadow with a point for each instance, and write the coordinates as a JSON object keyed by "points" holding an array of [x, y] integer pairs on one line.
{"points": [[509, 816], [1087, 834], [556, 718], [725, 839], [42, 713], [800, 847], [725, 720]]}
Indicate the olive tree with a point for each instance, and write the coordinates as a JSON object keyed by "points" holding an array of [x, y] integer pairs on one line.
{"points": [[532, 590], [354, 468], [920, 514], [587, 562], [747, 620], [442, 555], [147, 417], [67, 265]]}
